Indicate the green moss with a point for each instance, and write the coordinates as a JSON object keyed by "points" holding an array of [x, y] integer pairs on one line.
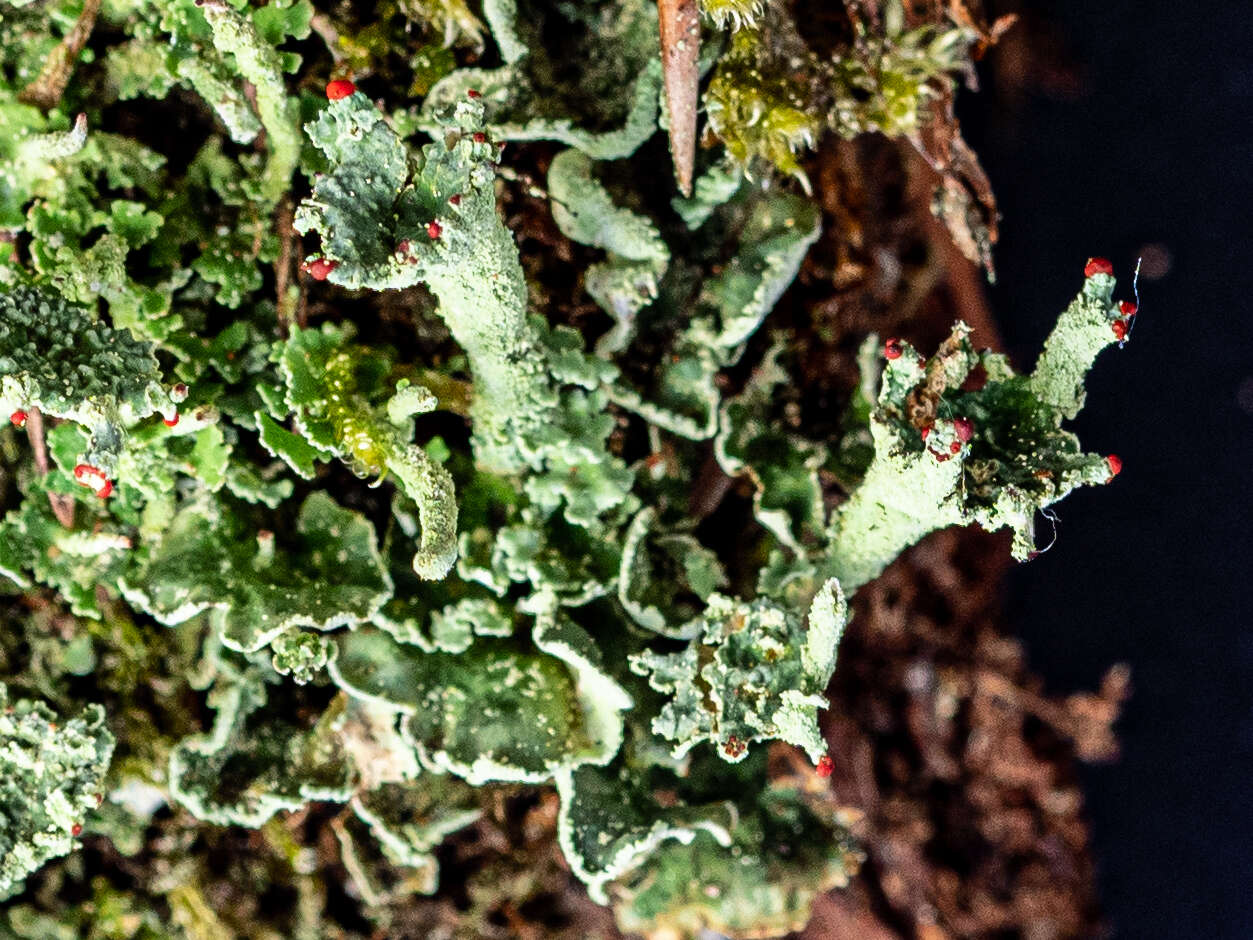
{"points": [[758, 107]]}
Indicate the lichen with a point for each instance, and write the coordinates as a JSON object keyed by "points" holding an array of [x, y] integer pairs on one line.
{"points": [[357, 458], [51, 775]]}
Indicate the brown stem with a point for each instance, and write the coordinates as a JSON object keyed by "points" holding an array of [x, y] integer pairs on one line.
{"points": [[35, 431], [250, 95], [680, 55], [302, 308], [709, 489], [46, 90], [62, 505], [322, 25], [282, 266], [959, 274]]}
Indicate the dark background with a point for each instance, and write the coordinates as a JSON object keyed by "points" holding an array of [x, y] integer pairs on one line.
{"points": [[1122, 128]]}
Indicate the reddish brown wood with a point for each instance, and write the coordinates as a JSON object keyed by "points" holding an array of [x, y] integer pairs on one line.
{"points": [[680, 52]]}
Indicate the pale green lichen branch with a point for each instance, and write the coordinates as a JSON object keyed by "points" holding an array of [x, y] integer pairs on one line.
{"points": [[627, 281], [259, 63], [389, 224], [228, 102], [389, 220], [332, 386], [993, 455], [755, 672], [1082, 331], [36, 150]]}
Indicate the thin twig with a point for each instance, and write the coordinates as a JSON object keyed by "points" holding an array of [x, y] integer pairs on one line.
{"points": [[302, 306], [321, 24], [46, 90], [62, 505], [282, 266]]}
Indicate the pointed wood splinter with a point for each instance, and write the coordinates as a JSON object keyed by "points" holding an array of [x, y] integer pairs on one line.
{"points": [[680, 55]]}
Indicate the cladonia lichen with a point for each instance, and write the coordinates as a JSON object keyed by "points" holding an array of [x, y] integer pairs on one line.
{"points": [[359, 469]]}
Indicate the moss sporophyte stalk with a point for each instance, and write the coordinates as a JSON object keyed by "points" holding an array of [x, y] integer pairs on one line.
{"points": [[404, 533]]}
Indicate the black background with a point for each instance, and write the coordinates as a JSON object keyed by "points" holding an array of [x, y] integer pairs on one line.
{"points": [[1148, 145]]}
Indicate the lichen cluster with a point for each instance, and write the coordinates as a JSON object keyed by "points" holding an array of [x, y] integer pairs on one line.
{"points": [[362, 525]]}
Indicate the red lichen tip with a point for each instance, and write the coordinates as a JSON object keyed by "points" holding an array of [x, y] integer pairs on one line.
{"points": [[825, 766], [94, 479], [965, 429], [925, 431], [955, 447], [320, 268], [339, 88], [479, 137], [1114, 462], [473, 93], [454, 200], [170, 422], [1033, 555], [18, 418], [1097, 266], [892, 348], [76, 829], [1119, 328], [434, 229], [1127, 308], [178, 394]]}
